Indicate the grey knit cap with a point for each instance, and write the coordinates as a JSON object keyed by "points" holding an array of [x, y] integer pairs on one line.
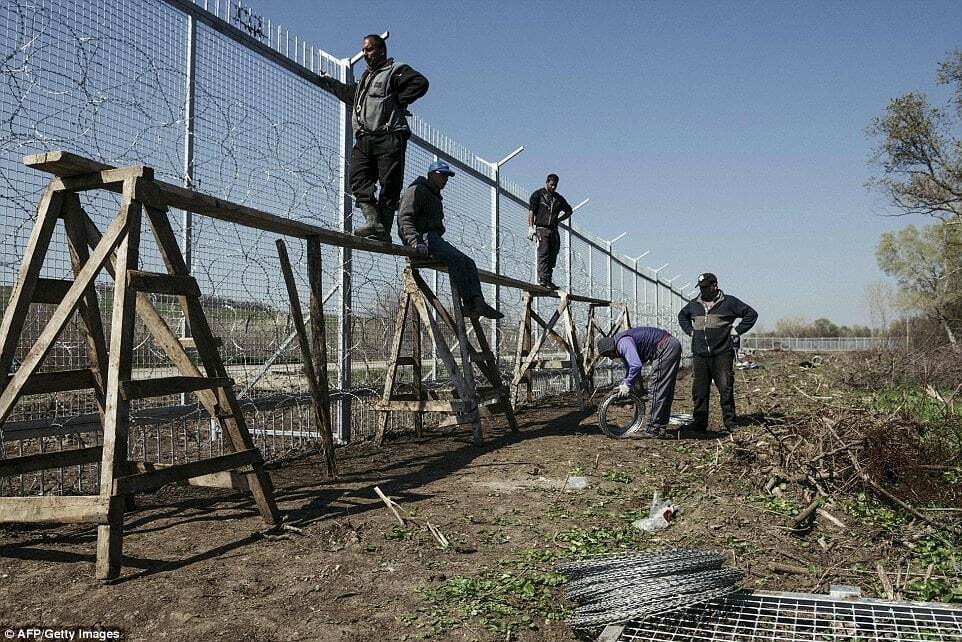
{"points": [[605, 345]]}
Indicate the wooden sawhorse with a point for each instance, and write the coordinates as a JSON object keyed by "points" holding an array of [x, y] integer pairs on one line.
{"points": [[109, 374], [469, 400]]}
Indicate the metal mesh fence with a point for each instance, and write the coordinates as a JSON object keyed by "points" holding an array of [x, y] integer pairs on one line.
{"points": [[217, 98]]}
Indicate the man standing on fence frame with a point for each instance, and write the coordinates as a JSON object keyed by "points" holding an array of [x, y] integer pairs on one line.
{"points": [[420, 225], [379, 118], [708, 320], [547, 208], [637, 346]]}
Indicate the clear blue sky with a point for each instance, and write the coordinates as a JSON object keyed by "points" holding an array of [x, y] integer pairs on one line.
{"points": [[723, 136]]}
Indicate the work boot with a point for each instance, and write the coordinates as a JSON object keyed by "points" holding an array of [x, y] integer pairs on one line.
{"points": [[478, 307], [371, 229], [386, 217]]}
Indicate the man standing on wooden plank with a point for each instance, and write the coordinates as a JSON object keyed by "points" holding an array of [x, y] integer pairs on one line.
{"points": [[635, 347], [547, 208], [421, 226], [380, 101], [708, 320]]}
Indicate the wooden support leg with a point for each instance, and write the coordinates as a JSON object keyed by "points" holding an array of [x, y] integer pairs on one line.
{"points": [[577, 379], [227, 410], [489, 367], [416, 368], [117, 414], [392, 365], [313, 384], [465, 359], [523, 345], [20, 297], [93, 329], [319, 346]]}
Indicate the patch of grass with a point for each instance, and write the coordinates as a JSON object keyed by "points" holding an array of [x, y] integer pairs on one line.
{"points": [[617, 476], [781, 505], [922, 407], [398, 534], [512, 597], [944, 583], [869, 510], [595, 540]]}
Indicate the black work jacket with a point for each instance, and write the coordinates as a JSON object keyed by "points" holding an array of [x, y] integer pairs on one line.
{"points": [[547, 207], [710, 330]]}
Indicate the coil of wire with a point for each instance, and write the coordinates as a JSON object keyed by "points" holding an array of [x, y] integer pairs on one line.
{"points": [[620, 430], [631, 586]]}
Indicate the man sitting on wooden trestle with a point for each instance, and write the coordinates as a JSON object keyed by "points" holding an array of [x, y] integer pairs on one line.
{"points": [[421, 225]]}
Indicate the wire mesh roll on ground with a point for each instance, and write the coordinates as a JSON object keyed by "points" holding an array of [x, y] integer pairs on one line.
{"points": [[624, 586], [621, 429]]}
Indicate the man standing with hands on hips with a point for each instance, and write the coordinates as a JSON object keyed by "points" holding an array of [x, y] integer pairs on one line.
{"points": [[547, 208], [708, 320]]}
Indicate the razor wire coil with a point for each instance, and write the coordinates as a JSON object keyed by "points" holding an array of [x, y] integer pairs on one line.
{"points": [[620, 587]]}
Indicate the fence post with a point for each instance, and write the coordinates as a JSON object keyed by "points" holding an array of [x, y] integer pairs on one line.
{"points": [[187, 221], [346, 303], [496, 246], [496, 256]]}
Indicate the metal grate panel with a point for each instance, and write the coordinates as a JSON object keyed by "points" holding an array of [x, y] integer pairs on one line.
{"points": [[757, 616]]}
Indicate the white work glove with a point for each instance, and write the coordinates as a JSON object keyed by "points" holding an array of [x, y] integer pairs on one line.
{"points": [[531, 232], [623, 390]]}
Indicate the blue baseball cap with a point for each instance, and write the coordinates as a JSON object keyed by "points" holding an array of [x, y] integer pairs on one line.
{"points": [[441, 167]]}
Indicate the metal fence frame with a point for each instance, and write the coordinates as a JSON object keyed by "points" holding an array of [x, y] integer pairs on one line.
{"points": [[650, 299]]}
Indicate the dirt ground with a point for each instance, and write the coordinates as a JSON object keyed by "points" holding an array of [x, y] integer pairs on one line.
{"points": [[200, 565]]}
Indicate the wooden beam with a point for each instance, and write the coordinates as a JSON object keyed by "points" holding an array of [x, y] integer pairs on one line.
{"points": [[46, 461], [222, 479], [66, 509], [188, 342], [151, 480], [62, 381], [50, 291], [422, 405], [159, 283], [61, 163], [163, 195], [163, 386]]}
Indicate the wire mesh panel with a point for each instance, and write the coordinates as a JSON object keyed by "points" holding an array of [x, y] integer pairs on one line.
{"points": [[795, 617]]}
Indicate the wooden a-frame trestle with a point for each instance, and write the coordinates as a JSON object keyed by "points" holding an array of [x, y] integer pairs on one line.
{"points": [[594, 331], [526, 356], [109, 374], [421, 304]]}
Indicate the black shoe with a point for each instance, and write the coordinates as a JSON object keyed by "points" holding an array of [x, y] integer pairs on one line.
{"points": [[478, 307], [651, 434], [551, 285]]}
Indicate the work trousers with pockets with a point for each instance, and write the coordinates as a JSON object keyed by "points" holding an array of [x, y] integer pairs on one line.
{"points": [[720, 369], [549, 243], [378, 158], [461, 268], [661, 382]]}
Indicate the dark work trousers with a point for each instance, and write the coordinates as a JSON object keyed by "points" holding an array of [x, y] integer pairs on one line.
{"points": [[718, 368], [549, 242], [461, 268], [378, 158], [661, 382]]}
